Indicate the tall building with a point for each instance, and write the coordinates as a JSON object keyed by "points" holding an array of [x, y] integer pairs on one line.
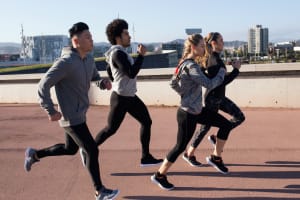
{"points": [[45, 48], [258, 40]]}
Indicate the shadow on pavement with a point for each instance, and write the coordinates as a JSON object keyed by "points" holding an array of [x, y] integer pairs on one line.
{"points": [[193, 198], [245, 174]]}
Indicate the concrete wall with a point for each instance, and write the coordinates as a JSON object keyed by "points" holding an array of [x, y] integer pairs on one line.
{"points": [[273, 85]]}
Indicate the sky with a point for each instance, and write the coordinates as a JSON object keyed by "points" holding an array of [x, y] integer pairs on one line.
{"points": [[151, 20]]}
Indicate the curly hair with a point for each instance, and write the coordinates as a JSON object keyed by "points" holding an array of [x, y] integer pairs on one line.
{"points": [[115, 29]]}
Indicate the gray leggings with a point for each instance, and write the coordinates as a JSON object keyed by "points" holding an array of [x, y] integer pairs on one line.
{"points": [[215, 104]]}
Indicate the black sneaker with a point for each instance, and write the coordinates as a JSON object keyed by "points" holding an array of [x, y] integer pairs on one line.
{"points": [[161, 181], [217, 163], [212, 139], [107, 194], [191, 160], [150, 161]]}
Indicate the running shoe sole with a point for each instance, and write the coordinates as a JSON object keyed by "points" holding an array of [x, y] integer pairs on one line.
{"points": [[118, 191]]}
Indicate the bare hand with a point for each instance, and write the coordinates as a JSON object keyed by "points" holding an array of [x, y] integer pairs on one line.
{"points": [[107, 83], [141, 49], [55, 117], [236, 64]]}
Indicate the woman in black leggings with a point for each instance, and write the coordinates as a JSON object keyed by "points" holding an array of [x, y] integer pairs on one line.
{"points": [[187, 82], [215, 99]]}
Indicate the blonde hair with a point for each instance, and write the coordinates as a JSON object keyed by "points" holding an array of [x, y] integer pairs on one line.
{"points": [[191, 40], [212, 36]]}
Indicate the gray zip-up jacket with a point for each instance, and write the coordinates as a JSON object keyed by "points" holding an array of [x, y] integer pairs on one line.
{"points": [[71, 75], [191, 81], [123, 71]]}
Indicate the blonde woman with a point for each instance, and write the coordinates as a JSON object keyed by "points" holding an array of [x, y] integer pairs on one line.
{"points": [[215, 99], [187, 82]]}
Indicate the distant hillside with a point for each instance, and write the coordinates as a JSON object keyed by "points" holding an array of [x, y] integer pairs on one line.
{"points": [[10, 48]]}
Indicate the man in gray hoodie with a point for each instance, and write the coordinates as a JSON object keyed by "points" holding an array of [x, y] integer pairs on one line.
{"points": [[123, 71], [71, 75]]}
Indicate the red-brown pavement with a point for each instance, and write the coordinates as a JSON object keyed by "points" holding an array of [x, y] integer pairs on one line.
{"points": [[263, 156]]}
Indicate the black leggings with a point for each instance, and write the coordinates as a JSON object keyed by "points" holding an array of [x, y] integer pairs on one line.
{"points": [[78, 136], [216, 104], [187, 124], [120, 105]]}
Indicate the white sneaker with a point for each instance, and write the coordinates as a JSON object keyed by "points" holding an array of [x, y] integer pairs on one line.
{"points": [[107, 194], [29, 158]]}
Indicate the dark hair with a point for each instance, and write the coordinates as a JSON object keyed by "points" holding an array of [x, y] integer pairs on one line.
{"points": [[212, 36], [115, 29], [78, 28]]}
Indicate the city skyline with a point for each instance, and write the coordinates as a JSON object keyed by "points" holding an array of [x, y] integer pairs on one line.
{"points": [[155, 21]]}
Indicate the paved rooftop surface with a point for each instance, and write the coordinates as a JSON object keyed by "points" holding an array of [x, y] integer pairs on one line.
{"points": [[263, 156]]}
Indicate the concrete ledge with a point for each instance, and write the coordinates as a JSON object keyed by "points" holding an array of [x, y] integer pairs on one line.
{"points": [[267, 85]]}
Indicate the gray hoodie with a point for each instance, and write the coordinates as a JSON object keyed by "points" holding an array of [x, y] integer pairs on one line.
{"points": [[71, 75], [190, 86], [122, 84]]}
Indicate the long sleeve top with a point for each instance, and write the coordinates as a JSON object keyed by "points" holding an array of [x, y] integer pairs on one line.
{"points": [[212, 71], [123, 70], [71, 76], [190, 86]]}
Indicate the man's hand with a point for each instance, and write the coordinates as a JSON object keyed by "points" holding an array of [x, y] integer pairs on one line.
{"points": [[107, 83], [236, 64], [55, 117], [141, 49]]}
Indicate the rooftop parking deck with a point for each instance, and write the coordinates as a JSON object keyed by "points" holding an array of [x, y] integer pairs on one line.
{"points": [[262, 155]]}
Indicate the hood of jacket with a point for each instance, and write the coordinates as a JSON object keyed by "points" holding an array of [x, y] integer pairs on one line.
{"points": [[112, 49]]}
